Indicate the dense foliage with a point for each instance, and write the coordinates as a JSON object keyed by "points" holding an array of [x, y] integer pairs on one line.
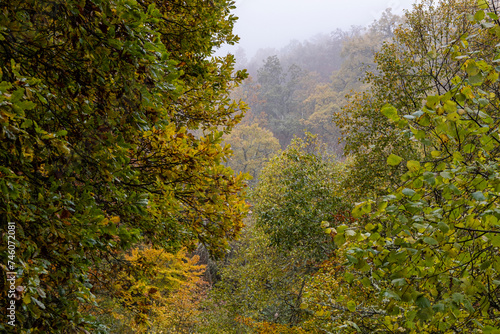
{"points": [[263, 281], [427, 254], [421, 252], [433, 240], [97, 153], [252, 146], [124, 157], [298, 191]]}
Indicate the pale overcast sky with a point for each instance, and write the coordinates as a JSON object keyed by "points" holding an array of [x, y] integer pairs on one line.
{"points": [[273, 23]]}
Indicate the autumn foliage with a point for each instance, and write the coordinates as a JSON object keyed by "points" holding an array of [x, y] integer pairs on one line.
{"points": [[123, 149], [99, 103]]}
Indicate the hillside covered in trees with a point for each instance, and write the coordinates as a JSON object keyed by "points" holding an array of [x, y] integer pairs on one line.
{"points": [[348, 183]]}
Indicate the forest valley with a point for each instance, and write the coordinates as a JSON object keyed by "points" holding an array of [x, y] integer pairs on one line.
{"points": [[349, 183]]}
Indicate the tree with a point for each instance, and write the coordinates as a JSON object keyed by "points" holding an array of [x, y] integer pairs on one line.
{"points": [[277, 88], [430, 251], [252, 146], [408, 69], [99, 101], [319, 55], [323, 102], [297, 191], [264, 278], [359, 47], [257, 285], [157, 292], [340, 296]]}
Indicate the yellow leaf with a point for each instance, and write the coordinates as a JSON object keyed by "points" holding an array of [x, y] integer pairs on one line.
{"points": [[413, 165], [444, 138]]}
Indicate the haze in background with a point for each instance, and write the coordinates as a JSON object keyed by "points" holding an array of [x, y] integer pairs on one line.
{"points": [[274, 23]]}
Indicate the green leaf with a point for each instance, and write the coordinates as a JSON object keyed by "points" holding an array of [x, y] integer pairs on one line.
{"points": [[424, 120], [341, 229], [393, 160], [439, 307], [349, 277], [429, 178], [430, 241], [408, 192], [390, 112], [458, 298], [453, 117], [472, 69], [366, 282], [39, 303], [493, 16], [478, 196], [476, 80], [391, 294], [491, 330], [469, 148], [483, 102], [435, 154], [432, 101], [354, 325], [351, 306], [350, 233], [352, 259], [450, 106], [482, 4], [443, 227], [487, 143], [424, 314], [361, 209], [490, 220], [446, 175], [485, 265], [422, 302], [399, 282], [495, 240], [454, 189], [458, 156]]}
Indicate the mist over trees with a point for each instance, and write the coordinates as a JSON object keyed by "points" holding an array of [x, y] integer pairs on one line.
{"points": [[299, 88]]}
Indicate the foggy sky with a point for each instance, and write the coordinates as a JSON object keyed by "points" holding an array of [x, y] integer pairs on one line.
{"points": [[273, 23]]}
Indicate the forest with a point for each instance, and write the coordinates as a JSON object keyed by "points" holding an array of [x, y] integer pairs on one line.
{"points": [[347, 183]]}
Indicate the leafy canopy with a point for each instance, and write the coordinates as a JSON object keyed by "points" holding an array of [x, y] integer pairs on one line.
{"points": [[99, 102], [430, 249]]}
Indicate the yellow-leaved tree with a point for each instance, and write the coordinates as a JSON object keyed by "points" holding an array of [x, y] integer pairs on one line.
{"points": [[158, 292], [252, 146]]}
